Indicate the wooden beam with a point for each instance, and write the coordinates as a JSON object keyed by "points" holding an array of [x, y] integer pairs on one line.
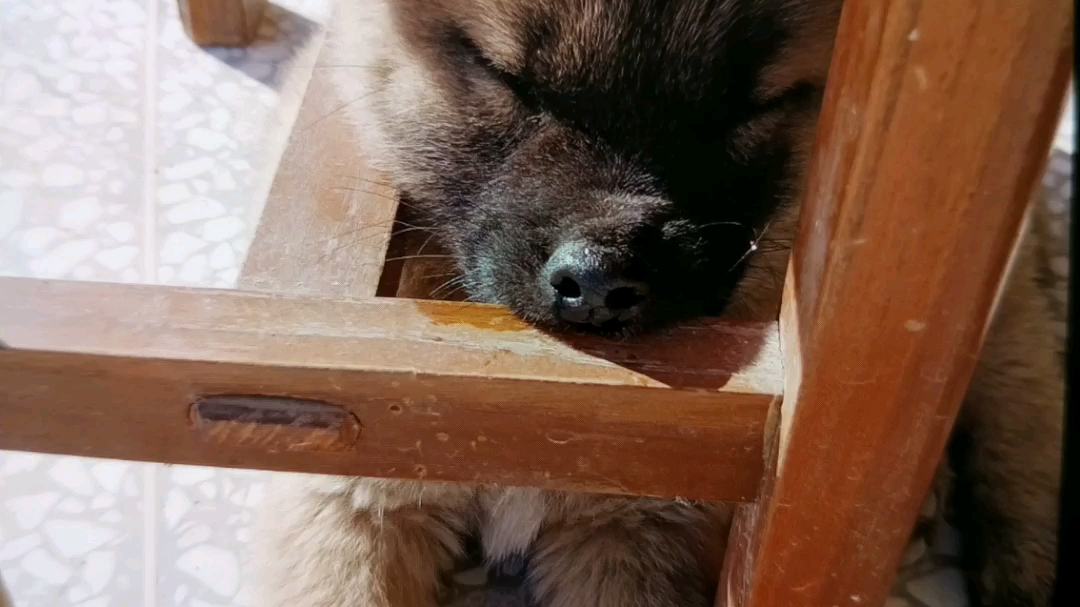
{"points": [[389, 387], [328, 218], [222, 22], [934, 132]]}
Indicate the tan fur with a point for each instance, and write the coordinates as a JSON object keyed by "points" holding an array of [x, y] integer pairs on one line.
{"points": [[358, 542], [337, 542]]}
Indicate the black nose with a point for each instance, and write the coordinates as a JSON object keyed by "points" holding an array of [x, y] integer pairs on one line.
{"points": [[590, 288]]}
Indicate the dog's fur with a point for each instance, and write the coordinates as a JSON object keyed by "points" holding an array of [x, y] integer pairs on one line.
{"points": [[670, 134]]}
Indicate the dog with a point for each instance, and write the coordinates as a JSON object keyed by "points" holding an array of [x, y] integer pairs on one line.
{"points": [[615, 166]]}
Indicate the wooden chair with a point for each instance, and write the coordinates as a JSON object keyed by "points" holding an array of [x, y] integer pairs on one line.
{"points": [[826, 427]]}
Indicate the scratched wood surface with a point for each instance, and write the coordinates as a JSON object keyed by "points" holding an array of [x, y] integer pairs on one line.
{"points": [[222, 22], [934, 133], [328, 219], [441, 390]]}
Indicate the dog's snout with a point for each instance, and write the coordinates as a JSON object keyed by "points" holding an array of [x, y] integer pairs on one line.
{"points": [[589, 288]]}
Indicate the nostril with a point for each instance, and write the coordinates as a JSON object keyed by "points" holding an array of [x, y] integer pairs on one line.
{"points": [[589, 286], [566, 286], [623, 298]]}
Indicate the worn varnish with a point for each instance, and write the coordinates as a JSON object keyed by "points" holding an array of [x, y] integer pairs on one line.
{"points": [[935, 129], [464, 340], [327, 220], [113, 370], [222, 22]]}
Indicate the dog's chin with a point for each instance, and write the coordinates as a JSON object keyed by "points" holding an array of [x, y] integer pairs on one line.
{"points": [[545, 316], [648, 319], [651, 315], [614, 328]]}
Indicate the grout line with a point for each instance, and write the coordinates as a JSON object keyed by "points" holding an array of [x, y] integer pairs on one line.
{"points": [[151, 501]]}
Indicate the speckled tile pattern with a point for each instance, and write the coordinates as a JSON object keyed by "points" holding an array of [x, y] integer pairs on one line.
{"points": [[127, 154], [215, 110], [66, 530], [1054, 226], [205, 528], [71, 138]]}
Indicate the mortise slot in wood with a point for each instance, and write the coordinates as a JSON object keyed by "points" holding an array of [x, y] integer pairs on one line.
{"points": [[275, 423]]}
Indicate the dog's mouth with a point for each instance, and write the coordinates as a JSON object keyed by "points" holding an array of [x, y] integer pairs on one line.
{"points": [[646, 317], [613, 328]]}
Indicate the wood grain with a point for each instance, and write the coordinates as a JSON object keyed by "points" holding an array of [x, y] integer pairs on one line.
{"points": [[935, 129], [328, 218], [222, 22], [442, 390]]}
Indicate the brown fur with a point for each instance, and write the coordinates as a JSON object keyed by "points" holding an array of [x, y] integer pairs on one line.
{"points": [[514, 124]]}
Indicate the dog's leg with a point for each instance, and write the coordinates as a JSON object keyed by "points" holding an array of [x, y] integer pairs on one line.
{"points": [[1007, 449], [618, 552], [343, 542]]}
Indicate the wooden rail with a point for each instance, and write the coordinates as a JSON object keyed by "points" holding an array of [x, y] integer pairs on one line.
{"points": [[934, 134], [440, 390], [328, 218]]}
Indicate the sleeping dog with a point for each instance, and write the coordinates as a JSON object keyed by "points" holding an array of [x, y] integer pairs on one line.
{"points": [[614, 166]]}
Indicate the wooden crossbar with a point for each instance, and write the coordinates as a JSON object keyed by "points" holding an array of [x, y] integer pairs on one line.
{"points": [[439, 390]]}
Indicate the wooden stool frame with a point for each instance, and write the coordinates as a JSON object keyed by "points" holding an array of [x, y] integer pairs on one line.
{"points": [[827, 427]]}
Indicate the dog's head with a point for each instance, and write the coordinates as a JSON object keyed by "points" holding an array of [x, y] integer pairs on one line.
{"points": [[606, 164]]}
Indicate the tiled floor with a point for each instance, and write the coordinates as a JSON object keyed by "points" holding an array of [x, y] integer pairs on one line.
{"points": [[127, 154]]}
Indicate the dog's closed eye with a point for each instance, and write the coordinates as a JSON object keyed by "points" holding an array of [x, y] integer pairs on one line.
{"points": [[798, 96], [475, 58]]}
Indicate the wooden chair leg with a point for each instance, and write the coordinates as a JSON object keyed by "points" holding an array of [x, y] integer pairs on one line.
{"points": [[328, 217], [222, 22], [933, 136]]}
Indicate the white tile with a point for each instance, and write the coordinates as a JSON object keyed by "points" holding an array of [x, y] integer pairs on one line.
{"points": [[71, 106], [205, 535], [59, 545]]}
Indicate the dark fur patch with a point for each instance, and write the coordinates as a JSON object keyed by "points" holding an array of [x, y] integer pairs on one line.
{"points": [[647, 127]]}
